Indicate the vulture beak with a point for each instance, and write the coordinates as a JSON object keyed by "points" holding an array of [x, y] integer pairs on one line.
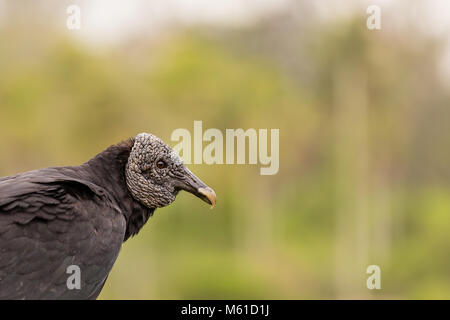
{"points": [[209, 194], [195, 186]]}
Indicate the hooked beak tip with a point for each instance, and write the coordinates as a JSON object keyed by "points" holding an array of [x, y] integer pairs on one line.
{"points": [[209, 194]]}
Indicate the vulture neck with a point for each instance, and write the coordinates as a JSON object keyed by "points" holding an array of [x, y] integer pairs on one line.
{"points": [[107, 170]]}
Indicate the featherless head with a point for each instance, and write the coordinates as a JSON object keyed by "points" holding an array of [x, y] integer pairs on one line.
{"points": [[155, 174]]}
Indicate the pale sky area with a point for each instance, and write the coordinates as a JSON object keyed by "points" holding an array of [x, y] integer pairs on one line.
{"points": [[112, 21]]}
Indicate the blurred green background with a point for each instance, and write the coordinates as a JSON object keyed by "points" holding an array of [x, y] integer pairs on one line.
{"points": [[364, 147]]}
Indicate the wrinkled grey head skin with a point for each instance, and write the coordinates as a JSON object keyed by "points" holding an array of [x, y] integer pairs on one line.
{"points": [[155, 174]]}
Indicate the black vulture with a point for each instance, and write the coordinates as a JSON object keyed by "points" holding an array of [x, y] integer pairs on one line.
{"points": [[56, 218]]}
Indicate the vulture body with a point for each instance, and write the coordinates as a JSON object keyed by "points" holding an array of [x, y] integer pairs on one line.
{"points": [[55, 218]]}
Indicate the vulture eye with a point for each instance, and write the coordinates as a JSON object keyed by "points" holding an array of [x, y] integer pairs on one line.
{"points": [[161, 164]]}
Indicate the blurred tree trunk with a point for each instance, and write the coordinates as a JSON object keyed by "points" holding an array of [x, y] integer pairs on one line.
{"points": [[352, 179]]}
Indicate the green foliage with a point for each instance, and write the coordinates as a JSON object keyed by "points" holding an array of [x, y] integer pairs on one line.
{"points": [[270, 236]]}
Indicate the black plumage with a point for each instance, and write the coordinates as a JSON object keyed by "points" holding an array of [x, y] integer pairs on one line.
{"points": [[53, 218]]}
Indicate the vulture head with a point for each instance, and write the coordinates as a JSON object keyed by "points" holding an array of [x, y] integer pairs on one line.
{"points": [[155, 174]]}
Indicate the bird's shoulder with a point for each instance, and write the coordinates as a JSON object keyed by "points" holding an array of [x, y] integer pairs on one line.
{"points": [[50, 192]]}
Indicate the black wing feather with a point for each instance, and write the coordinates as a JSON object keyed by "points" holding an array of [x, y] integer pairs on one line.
{"points": [[49, 221]]}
